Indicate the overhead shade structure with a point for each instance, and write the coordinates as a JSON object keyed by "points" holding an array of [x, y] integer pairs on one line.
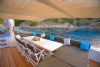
{"points": [[44, 9], [20, 17]]}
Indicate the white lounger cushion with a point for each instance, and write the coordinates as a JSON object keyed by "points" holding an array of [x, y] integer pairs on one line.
{"points": [[18, 36], [67, 41], [43, 35]]}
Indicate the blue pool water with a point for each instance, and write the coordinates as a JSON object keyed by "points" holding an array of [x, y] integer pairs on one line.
{"points": [[85, 34]]}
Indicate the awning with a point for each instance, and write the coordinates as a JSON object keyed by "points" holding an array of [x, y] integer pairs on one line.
{"points": [[44, 9]]}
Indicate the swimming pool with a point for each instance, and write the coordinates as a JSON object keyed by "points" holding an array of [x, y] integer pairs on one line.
{"points": [[82, 34], [85, 34]]}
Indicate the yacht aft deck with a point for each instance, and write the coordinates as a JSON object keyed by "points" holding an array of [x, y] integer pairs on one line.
{"points": [[66, 56], [10, 57]]}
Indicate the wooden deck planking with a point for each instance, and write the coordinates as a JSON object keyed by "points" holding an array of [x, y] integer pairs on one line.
{"points": [[10, 57], [93, 64]]}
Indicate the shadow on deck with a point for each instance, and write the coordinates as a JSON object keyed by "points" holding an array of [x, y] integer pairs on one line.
{"points": [[66, 57]]}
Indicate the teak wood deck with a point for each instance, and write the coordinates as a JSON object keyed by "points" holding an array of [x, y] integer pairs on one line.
{"points": [[10, 57]]}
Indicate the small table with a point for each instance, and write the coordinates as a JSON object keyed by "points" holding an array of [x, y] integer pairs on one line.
{"points": [[44, 43]]}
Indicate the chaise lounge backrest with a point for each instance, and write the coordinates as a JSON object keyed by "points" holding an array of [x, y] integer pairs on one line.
{"points": [[47, 36], [72, 42], [39, 35], [58, 39], [75, 43]]}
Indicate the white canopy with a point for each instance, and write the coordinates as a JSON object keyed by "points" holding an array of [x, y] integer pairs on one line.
{"points": [[43, 9]]}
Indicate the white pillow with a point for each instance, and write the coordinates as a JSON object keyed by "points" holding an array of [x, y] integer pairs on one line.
{"points": [[66, 41], [43, 35], [18, 36]]}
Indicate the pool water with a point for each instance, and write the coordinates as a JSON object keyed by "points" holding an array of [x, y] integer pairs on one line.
{"points": [[84, 34]]}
